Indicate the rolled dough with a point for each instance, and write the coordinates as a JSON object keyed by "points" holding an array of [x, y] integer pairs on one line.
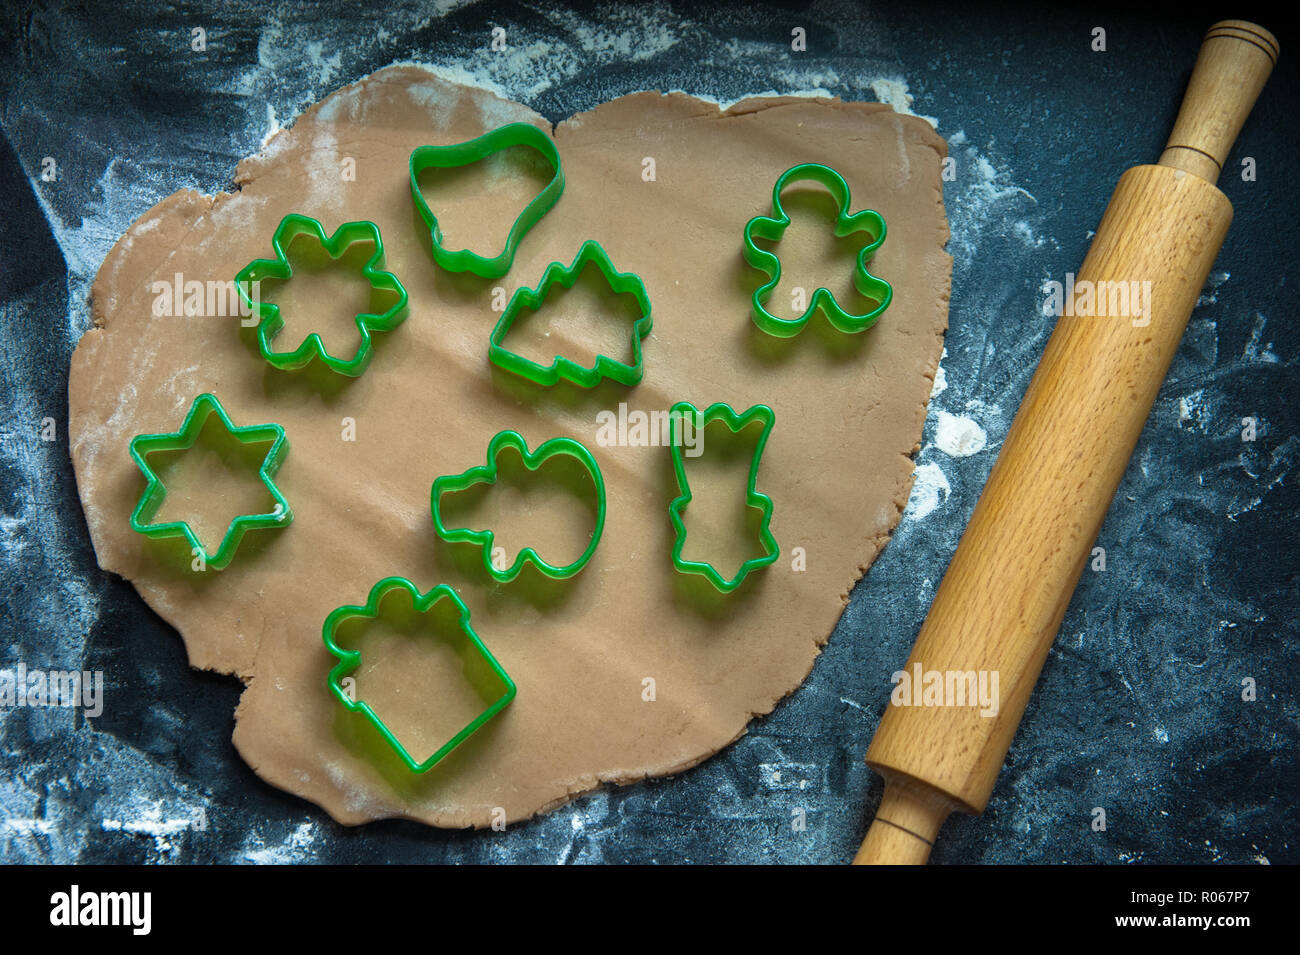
{"points": [[666, 184]]}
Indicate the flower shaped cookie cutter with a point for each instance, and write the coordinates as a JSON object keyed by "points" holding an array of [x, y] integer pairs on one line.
{"points": [[771, 228], [143, 445], [487, 474], [735, 423], [471, 151], [557, 273], [350, 660], [270, 322]]}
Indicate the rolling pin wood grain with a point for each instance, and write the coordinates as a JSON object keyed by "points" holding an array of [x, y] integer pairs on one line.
{"points": [[1005, 592]]}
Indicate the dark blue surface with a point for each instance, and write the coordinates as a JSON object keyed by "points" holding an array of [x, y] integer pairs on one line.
{"points": [[1139, 710]]}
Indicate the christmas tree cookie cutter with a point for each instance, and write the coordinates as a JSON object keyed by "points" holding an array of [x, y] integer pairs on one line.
{"points": [[471, 151], [487, 474], [350, 660], [143, 445], [270, 321], [735, 423], [620, 283], [771, 228]]}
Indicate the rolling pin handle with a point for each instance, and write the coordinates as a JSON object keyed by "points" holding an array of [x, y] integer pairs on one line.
{"points": [[1235, 60], [906, 824]]}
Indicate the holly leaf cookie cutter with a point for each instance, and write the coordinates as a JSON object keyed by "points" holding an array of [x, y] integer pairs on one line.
{"points": [[487, 474], [270, 321], [771, 228], [471, 151], [557, 273], [719, 411], [143, 445], [350, 660]]}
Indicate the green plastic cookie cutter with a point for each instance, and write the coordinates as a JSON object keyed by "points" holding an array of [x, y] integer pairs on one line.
{"points": [[463, 154], [487, 474], [620, 283], [771, 228], [143, 445], [350, 660], [270, 322], [753, 498]]}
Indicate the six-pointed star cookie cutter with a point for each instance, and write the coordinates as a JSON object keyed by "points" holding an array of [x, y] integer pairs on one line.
{"points": [[557, 273], [487, 474], [466, 153], [771, 228], [350, 660], [735, 423], [143, 445], [270, 321]]}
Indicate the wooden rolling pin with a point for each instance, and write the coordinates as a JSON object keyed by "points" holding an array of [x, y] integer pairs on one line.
{"points": [[1001, 602]]}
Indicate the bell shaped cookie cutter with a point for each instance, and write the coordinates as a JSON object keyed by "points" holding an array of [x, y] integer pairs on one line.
{"points": [[771, 228], [557, 273], [143, 445], [350, 660], [270, 321], [471, 151], [487, 474], [735, 423]]}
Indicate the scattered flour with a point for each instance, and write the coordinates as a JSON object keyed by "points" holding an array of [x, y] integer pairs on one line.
{"points": [[929, 491], [940, 380], [1210, 294], [154, 824], [988, 203], [958, 436], [1254, 351], [296, 846], [273, 126], [893, 90], [1193, 410]]}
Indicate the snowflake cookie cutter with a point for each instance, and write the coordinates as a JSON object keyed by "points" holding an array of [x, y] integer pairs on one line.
{"points": [[143, 445], [620, 283], [467, 153], [350, 660], [271, 322], [488, 473], [771, 228], [735, 423]]}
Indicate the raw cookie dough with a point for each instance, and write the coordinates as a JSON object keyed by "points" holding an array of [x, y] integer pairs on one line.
{"points": [[849, 413]]}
